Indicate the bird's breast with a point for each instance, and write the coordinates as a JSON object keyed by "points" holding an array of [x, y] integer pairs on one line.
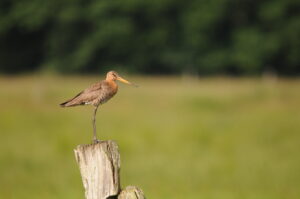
{"points": [[113, 87], [108, 91]]}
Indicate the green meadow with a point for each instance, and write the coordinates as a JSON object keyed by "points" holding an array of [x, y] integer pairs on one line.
{"points": [[179, 137]]}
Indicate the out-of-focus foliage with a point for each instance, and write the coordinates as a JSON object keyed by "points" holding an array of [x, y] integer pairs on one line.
{"points": [[166, 36]]}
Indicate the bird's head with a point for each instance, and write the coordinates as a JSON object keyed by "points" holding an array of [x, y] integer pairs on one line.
{"points": [[113, 76]]}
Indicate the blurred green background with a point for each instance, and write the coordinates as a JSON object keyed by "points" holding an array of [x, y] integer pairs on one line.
{"points": [[151, 36], [216, 116], [178, 137]]}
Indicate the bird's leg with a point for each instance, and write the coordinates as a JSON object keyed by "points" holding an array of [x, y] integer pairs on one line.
{"points": [[95, 140]]}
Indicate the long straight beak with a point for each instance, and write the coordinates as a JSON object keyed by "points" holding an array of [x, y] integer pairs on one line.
{"points": [[126, 82]]}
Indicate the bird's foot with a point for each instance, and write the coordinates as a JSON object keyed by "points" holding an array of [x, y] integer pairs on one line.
{"points": [[96, 141]]}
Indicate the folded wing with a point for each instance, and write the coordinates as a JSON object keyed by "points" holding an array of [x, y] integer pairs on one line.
{"points": [[86, 96]]}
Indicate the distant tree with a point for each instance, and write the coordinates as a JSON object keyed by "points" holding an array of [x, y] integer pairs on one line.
{"points": [[165, 36]]}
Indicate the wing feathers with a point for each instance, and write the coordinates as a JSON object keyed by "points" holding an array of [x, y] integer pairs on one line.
{"points": [[96, 94], [70, 102], [85, 97]]}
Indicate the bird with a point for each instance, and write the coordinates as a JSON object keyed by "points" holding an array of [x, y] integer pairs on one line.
{"points": [[96, 95]]}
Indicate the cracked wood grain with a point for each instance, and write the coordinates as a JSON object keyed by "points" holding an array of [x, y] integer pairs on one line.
{"points": [[99, 166]]}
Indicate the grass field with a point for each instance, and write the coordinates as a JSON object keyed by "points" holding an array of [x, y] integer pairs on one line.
{"points": [[179, 138]]}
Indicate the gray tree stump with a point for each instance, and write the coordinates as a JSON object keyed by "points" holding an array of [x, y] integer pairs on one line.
{"points": [[99, 166]]}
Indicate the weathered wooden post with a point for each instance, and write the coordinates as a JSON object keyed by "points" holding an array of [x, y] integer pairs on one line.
{"points": [[99, 166], [131, 192]]}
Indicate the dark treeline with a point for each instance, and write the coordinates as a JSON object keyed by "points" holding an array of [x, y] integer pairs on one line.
{"points": [[151, 36]]}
